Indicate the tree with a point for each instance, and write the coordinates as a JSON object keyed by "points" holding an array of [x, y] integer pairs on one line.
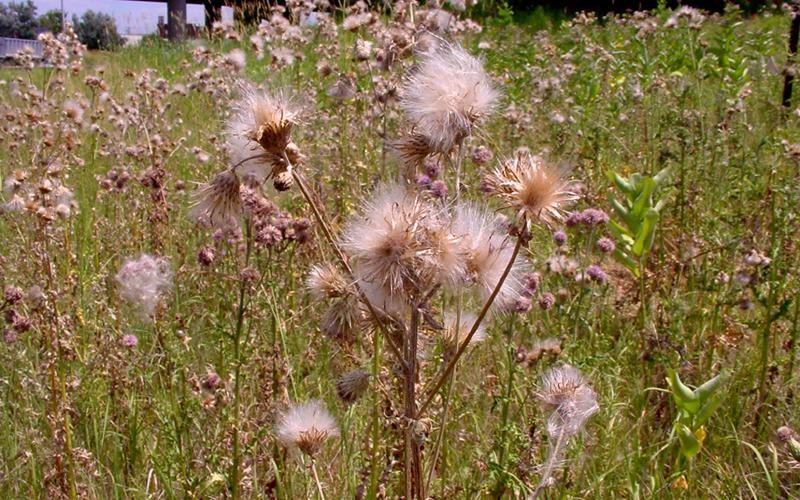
{"points": [[97, 30], [51, 21], [18, 20]]}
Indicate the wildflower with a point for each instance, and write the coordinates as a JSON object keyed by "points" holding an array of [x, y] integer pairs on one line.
{"points": [[211, 380], [9, 336], [217, 202], [593, 217], [447, 94], [543, 346], [265, 120], [305, 428], [326, 282], [456, 329], [130, 341], [488, 250], [568, 396], [205, 256], [352, 385], [596, 273], [606, 245], [547, 301], [386, 241], [722, 278], [755, 258], [236, 59], [523, 305], [560, 237], [573, 219], [423, 180], [432, 168], [144, 281], [535, 189], [531, 282], [438, 189], [12, 294]]}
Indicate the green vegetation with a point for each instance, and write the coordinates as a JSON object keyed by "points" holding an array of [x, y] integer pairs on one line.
{"points": [[191, 408]]}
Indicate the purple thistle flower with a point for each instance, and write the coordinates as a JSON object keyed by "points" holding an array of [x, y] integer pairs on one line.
{"points": [[423, 180], [130, 341], [481, 155], [547, 301], [531, 283], [606, 245], [523, 305], [573, 219], [12, 294], [560, 237], [596, 273], [593, 217], [432, 168], [9, 336], [438, 189], [205, 256]]}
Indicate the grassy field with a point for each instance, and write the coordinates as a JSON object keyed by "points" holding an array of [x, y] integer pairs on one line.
{"points": [[104, 153]]}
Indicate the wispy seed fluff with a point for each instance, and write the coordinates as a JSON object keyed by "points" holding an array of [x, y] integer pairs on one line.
{"points": [[304, 428], [325, 281], [447, 94], [144, 281], [456, 329], [352, 385], [566, 393], [217, 202], [534, 188], [487, 249], [386, 239], [265, 122]]}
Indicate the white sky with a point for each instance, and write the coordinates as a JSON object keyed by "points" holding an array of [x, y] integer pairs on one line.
{"points": [[133, 18]]}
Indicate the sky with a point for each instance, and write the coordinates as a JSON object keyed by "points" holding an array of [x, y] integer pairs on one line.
{"points": [[133, 18]]}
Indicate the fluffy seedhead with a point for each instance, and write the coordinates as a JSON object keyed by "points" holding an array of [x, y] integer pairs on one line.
{"points": [[217, 202], [144, 281], [566, 393], [488, 249], [386, 240], [305, 427], [456, 329], [447, 94], [264, 119], [352, 385], [535, 189], [265, 122], [326, 281]]}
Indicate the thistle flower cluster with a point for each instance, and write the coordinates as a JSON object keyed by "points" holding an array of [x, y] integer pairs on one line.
{"points": [[402, 246], [144, 281], [570, 400]]}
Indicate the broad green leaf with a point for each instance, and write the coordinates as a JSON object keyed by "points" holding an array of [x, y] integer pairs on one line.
{"points": [[690, 445], [644, 239], [708, 388], [685, 398], [643, 200]]}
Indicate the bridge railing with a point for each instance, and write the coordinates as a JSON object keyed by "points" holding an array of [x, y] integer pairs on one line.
{"points": [[10, 46]]}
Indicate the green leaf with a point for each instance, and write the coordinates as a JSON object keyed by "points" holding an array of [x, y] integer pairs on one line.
{"points": [[624, 213], [623, 185], [685, 398], [644, 239], [662, 175], [707, 410], [643, 200], [708, 388], [690, 445]]}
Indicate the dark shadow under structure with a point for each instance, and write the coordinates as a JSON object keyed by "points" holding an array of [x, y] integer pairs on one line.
{"points": [[176, 14]]}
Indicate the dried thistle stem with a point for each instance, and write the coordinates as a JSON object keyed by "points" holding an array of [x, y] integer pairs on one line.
{"points": [[343, 260], [463, 347]]}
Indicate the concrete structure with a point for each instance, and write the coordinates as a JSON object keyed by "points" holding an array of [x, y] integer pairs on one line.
{"points": [[176, 14], [10, 46]]}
